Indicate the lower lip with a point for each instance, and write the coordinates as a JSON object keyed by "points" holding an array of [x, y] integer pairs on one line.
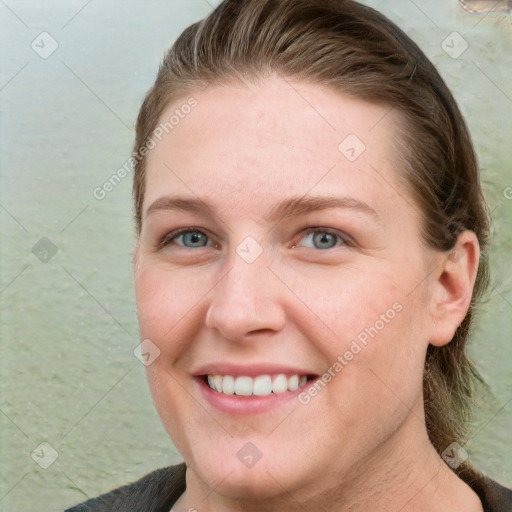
{"points": [[235, 404]]}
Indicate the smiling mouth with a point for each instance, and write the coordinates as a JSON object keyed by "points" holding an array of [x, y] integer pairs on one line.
{"points": [[261, 385]]}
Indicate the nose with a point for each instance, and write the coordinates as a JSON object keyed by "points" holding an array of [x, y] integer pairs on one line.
{"points": [[246, 302]]}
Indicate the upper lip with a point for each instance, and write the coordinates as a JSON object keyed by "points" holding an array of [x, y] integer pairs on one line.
{"points": [[252, 370]]}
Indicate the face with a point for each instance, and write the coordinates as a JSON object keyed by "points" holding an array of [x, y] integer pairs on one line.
{"points": [[300, 263]]}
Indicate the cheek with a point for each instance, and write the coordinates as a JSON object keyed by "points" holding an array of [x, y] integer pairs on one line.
{"points": [[373, 322], [377, 367], [350, 301], [163, 301], [165, 309]]}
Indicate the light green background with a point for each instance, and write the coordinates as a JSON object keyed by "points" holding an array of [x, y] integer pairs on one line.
{"points": [[68, 373]]}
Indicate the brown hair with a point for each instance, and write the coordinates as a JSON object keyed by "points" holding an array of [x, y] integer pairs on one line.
{"points": [[356, 50]]}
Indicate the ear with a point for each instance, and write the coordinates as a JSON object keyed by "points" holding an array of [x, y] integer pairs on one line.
{"points": [[452, 287]]}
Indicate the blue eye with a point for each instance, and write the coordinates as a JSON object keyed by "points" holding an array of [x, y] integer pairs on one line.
{"points": [[323, 239], [190, 239], [194, 239]]}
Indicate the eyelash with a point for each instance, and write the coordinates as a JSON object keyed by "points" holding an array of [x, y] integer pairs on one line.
{"points": [[343, 238]]}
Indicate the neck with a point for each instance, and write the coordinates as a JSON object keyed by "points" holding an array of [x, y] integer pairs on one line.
{"points": [[405, 473]]}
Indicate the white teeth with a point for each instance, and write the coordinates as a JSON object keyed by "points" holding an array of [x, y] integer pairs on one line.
{"points": [[243, 386], [293, 383], [228, 385], [280, 384], [262, 385], [217, 382]]}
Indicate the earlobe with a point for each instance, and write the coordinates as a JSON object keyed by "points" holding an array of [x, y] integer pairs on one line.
{"points": [[452, 289]]}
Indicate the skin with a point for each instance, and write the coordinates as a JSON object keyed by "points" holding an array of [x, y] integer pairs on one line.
{"points": [[361, 443]]}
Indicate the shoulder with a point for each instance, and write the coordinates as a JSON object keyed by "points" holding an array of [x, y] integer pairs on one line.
{"points": [[155, 492], [494, 496]]}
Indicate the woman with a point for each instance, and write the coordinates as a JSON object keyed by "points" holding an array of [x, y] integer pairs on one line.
{"points": [[311, 235]]}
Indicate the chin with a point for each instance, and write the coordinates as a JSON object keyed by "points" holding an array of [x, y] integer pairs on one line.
{"points": [[251, 484], [231, 478]]}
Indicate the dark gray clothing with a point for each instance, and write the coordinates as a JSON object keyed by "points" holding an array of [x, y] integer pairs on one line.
{"points": [[159, 490]]}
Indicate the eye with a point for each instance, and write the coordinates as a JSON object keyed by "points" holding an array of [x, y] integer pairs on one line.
{"points": [[322, 238], [187, 237], [315, 238]]}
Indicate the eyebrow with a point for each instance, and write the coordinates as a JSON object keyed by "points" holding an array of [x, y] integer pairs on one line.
{"points": [[290, 207]]}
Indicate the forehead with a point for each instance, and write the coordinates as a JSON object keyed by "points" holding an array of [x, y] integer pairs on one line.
{"points": [[251, 145]]}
